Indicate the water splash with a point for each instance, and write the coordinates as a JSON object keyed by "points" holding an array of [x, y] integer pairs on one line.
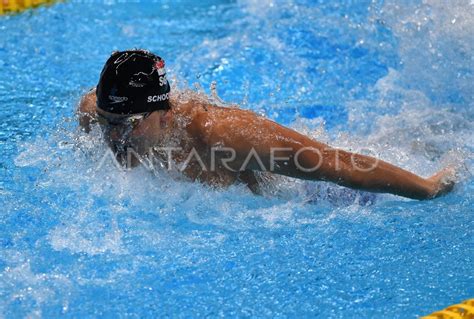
{"points": [[144, 242]]}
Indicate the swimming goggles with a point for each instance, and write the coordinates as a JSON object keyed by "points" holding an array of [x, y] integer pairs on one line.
{"points": [[126, 120]]}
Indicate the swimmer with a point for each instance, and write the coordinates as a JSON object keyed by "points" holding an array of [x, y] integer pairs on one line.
{"points": [[223, 145]]}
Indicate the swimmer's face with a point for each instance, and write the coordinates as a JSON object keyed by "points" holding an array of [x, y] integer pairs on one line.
{"points": [[129, 133]]}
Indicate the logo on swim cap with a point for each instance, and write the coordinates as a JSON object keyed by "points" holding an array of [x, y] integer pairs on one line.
{"points": [[117, 99], [160, 66]]}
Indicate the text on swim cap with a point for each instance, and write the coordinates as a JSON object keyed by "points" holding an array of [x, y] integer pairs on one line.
{"points": [[163, 80], [157, 98]]}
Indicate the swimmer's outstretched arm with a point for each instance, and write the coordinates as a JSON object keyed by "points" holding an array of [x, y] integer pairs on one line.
{"points": [[308, 159]]}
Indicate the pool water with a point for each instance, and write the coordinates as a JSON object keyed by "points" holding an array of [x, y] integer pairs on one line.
{"points": [[394, 79]]}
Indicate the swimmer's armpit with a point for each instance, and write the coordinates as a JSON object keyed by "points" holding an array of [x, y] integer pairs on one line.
{"points": [[86, 110]]}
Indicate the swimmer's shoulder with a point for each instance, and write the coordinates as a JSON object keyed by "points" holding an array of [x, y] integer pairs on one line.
{"points": [[193, 109], [204, 118], [88, 102], [86, 109]]}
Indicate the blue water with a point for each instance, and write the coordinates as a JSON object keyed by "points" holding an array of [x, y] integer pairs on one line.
{"points": [[392, 78]]}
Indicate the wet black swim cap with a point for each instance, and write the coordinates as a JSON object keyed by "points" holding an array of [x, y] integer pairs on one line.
{"points": [[133, 82]]}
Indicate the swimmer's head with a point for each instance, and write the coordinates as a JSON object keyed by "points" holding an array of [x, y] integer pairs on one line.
{"points": [[133, 82]]}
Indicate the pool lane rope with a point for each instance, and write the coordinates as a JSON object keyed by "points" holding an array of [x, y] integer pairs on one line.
{"points": [[15, 6], [464, 310]]}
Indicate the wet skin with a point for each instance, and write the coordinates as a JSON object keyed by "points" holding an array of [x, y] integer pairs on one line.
{"points": [[210, 130]]}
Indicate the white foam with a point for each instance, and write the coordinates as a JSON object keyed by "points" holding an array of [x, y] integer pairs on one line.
{"points": [[42, 288], [85, 234], [436, 45]]}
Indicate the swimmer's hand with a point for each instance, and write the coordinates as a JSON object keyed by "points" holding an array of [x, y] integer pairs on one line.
{"points": [[443, 182]]}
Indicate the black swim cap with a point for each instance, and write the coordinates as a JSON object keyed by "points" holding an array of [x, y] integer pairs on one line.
{"points": [[133, 82]]}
